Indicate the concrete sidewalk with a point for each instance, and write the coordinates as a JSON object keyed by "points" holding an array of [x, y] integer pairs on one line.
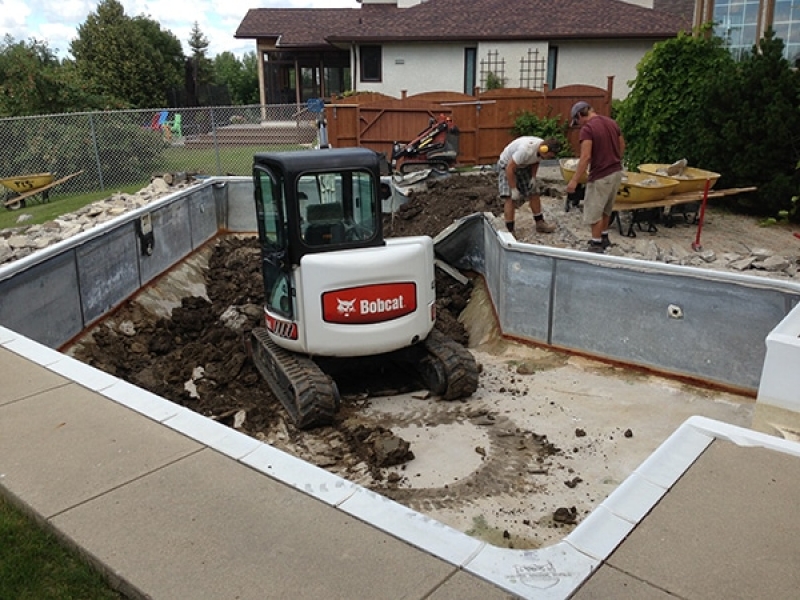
{"points": [[172, 505]]}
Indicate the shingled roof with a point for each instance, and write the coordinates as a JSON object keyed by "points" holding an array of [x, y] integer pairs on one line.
{"points": [[453, 20], [296, 27]]}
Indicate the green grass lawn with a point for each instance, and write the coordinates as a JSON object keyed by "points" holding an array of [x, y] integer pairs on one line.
{"points": [[35, 566], [236, 160], [59, 205]]}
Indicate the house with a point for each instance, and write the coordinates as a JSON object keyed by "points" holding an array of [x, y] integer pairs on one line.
{"points": [[742, 24], [413, 46]]}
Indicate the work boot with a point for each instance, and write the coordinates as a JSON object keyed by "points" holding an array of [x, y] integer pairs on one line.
{"points": [[596, 247], [605, 241], [544, 227]]}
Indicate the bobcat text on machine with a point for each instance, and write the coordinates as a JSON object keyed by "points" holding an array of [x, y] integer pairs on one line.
{"points": [[337, 294]]}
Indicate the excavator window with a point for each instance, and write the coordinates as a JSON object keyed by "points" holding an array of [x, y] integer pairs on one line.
{"points": [[337, 208]]}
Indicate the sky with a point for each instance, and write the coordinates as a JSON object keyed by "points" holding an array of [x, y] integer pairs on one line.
{"points": [[57, 22]]}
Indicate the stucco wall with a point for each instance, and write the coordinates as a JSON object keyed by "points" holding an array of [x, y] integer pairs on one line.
{"points": [[418, 68], [590, 63]]}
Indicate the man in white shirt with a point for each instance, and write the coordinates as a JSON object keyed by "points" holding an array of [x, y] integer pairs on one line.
{"points": [[516, 177]]}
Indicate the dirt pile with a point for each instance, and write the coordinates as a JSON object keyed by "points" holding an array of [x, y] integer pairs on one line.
{"points": [[446, 199]]}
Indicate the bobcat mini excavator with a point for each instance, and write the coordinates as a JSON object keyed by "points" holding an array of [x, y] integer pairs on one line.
{"points": [[338, 296]]}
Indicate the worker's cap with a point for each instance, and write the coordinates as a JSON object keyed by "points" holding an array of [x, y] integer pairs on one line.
{"points": [[577, 108]]}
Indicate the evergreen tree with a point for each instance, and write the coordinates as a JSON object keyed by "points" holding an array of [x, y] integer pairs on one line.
{"points": [[200, 69], [761, 128]]}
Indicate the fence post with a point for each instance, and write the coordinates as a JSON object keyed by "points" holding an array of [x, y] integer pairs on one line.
{"points": [[216, 145], [96, 152]]}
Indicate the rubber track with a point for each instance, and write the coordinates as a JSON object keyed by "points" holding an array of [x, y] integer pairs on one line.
{"points": [[306, 392], [459, 365]]}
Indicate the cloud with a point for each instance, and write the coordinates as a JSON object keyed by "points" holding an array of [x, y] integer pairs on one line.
{"points": [[56, 23]]}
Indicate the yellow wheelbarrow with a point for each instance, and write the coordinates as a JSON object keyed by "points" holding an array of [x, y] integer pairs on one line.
{"points": [[21, 188]]}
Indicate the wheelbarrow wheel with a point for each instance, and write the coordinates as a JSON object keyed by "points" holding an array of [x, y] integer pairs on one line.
{"points": [[14, 205]]}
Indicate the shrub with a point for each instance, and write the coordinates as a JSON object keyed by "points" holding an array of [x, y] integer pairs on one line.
{"points": [[692, 100], [528, 123], [759, 130], [494, 82], [664, 117]]}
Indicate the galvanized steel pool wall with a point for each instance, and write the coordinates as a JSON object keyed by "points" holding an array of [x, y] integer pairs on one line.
{"points": [[689, 322]]}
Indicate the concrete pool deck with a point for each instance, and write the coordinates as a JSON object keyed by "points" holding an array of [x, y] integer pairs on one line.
{"points": [[172, 505]]}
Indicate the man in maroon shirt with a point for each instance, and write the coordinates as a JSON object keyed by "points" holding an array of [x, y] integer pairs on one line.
{"points": [[602, 146]]}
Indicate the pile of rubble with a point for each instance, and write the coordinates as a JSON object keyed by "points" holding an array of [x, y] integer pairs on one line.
{"points": [[18, 242]]}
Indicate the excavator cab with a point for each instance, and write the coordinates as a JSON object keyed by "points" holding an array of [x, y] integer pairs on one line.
{"points": [[337, 294], [308, 203]]}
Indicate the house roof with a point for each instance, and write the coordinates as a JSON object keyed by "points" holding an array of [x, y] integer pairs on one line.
{"points": [[296, 27], [454, 20]]}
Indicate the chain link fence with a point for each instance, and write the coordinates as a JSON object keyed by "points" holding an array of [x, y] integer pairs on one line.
{"points": [[105, 151]]}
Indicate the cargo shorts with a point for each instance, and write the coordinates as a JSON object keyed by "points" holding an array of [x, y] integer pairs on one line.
{"points": [[599, 198], [527, 185]]}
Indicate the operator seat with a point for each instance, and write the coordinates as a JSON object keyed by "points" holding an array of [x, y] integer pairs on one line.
{"points": [[325, 224]]}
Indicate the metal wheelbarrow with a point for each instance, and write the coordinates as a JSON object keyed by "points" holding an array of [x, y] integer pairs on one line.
{"points": [[21, 188]]}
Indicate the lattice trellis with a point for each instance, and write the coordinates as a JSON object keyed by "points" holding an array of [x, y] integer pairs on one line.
{"points": [[533, 70], [493, 66]]}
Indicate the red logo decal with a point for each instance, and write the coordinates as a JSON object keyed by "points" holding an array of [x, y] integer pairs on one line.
{"points": [[369, 303]]}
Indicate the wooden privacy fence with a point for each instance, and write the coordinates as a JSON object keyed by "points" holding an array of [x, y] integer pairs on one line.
{"points": [[484, 120]]}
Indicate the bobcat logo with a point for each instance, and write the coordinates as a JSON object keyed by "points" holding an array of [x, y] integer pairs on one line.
{"points": [[346, 307]]}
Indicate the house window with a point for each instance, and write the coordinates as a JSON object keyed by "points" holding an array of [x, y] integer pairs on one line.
{"points": [[552, 64], [470, 69], [336, 80], [735, 22], [371, 63], [786, 24]]}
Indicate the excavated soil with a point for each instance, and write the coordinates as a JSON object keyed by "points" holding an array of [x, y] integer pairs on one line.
{"points": [[196, 357]]}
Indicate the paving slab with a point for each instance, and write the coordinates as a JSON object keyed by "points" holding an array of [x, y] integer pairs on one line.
{"points": [[729, 528], [66, 445], [208, 527], [22, 378], [609, 583], [168, 516], [463, 586]]}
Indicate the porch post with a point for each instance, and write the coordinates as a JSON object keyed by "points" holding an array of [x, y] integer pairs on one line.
{"points": [[262, 91], [298, 82]]}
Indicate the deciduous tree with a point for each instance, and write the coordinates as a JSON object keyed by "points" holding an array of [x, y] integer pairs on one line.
{"points": [[240, 76], [129, 58], [33, 81]]}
